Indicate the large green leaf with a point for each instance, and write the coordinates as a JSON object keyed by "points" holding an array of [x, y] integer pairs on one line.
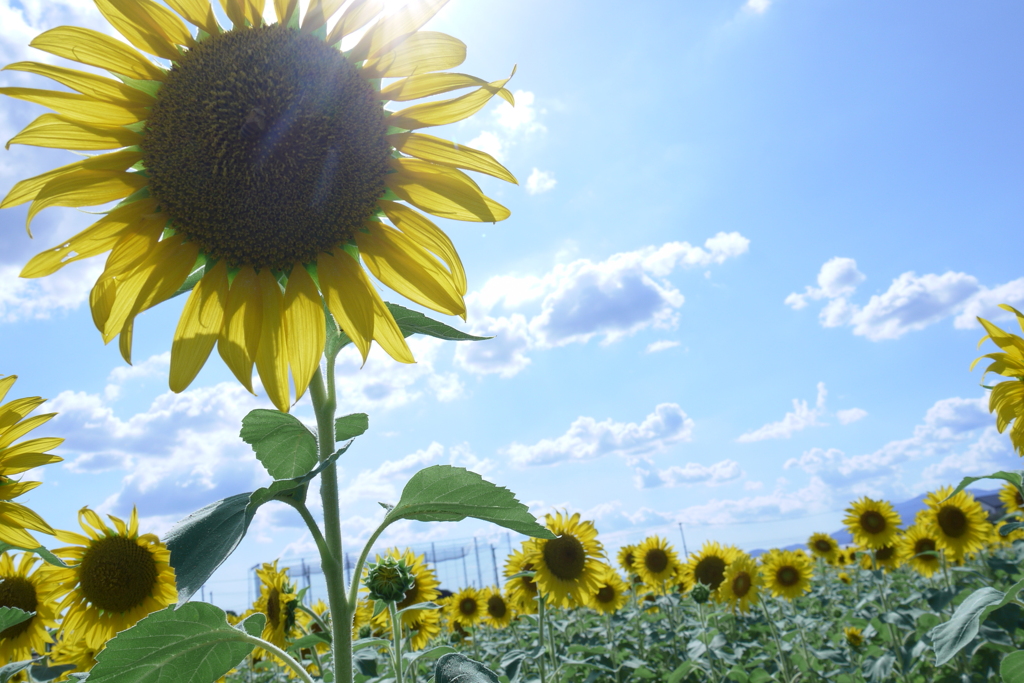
{"points": [[1011, 669], [458, 668], [1015, 477], [411, 322], [350, 426], [282, 443], [10, 616], [193, 644], [443, 493], [962, 627]]}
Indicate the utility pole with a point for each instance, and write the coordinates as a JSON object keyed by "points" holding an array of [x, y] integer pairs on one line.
{"points": [[479, 573], [685, 551], [494, 562]]}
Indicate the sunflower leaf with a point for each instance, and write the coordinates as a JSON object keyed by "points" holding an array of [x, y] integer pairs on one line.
{"points": [[9, 671], [1011, 669], [253, 624], [454, 667], [443, 493], [1015, 477], [42, 552], [11, 616], [951, 636], [411, 322], [350, 426], [282, 443], [193, 644]]}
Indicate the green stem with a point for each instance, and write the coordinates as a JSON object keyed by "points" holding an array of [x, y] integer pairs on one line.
{"points": [[279, 653], [541, 599], [778, 640], [707, 643], [396, 634], [893, 636], [315, 617]]}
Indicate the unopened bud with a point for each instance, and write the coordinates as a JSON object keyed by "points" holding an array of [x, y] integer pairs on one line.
{"points": [[389, 580], [700, 593]]}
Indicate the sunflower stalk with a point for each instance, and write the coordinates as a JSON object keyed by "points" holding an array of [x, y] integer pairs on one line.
{"points": [[783, 661], [707, 642], [541, 599], [396, 633], [882, 591]]}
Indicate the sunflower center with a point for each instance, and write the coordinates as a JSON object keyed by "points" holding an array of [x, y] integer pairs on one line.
{"points": [[787, 576], [885, 553], [741, 585], [872, 522], [467, 606], [565, 557], [627, 560], [17, 591], [605, 595], [496, 606], [117, 574], [656, 560], [274, 607], [953, 521], [410, 598], [925, 545], [1020, 499], [710, 571], [822, 546], [266, 146]]}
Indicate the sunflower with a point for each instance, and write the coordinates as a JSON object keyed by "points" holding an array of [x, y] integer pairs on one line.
{"points": [[466, 608], [425, 588], [916, 540], [27, 588], [69, 650], [310, 625], [887, 557], [259, 168], [1007, 398], [741, 584], [361, 620], [18, 458], [626, 558], [1009, 496], [612, 592], [568, 566], [998, 540], [709, 565], [959, 524], [498, 612], [844, 578], [655, 561], [872, 523], [787, 574], [423, 628], [115, 577], [278, 600], [823, 546], [523, 590], [854, 636]]}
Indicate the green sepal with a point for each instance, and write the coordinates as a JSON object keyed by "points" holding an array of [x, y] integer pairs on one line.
{"points": [[137, 127], [202, 264], [201, 35], [141, 193], [151, 88], [378, 607]]}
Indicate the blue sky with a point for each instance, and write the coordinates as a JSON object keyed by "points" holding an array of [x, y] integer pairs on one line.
{"points": [[737, 289]]}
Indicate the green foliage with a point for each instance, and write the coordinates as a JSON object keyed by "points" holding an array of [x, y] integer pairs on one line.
{"points": [[1011, 670], [1015, 477], [350, 426], [950, 637], [443, 493], [42, 552], [11, 616], [193, 644], [409, 322], [8, 671], [458, 668], [282, 443]]}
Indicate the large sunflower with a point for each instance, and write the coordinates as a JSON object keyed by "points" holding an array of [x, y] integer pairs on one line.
{"points": [[18, 458], [787, 574], [708, 566], [959, 524], [568, 566], [115, 577], [523, 590], [1007, 398], [655, 562], [741, 584], [915, 541], [278, 600], [28, 588], [872, 523], [260, 167]]}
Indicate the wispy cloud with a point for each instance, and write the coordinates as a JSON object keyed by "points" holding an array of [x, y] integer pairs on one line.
{"points": [[801, 417]]}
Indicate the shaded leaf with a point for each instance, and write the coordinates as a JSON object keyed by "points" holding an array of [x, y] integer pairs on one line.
{"points": [[1011, 669], [350, 426], [284, 445], [458, 668], [10, 616], [9, 671], [411, 322], [42, 552]]}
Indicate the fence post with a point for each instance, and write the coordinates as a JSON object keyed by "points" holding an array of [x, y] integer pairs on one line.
{"points": [[494, 562], [479, 573]]}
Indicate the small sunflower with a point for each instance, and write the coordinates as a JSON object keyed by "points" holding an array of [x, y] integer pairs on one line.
{"points": [[259, 167], [708, 566], [626, 558], [915, 541], [959, 524], [887, 557], [116, 577], [854, 636], [1009, 496], [1007, 398], [425, 588], [278, 600], [69, 650], [19, 458], [741, 585], [998, 540], [844, 578], [499, 610], [612, 592], [787, 574], [872, 523], [466, 608], [823, 546], [28, 588], [568, 566], [655, 562], [309, 625], [523, 590], [424, 628], [362, 620]]}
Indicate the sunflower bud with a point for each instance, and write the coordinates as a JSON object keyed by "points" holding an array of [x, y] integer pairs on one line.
{"points": [[700, 593], [389, 580]]}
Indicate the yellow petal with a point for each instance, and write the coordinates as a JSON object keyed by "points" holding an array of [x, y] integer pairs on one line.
{"points": [[199, 327], [90, 47], [93, 85], [410, 270], [22, 428], [51, 130], [355, 16], [99, 237], [284, 10], [243, 321], [27, 461], [87, 516], [71, 537], [148, 26], [12, 490], [198, 13], [448, 153], [345, 288], [420, 229], [254, 12], [318, 13], [24, 517], [26, 190], [5, 385], [442, 191], [446, 111], [40, 445], [386, 332], [422, 52], [83, 108], [305, 329], [11, 413], [101, 300], [85, 188], [428, 85], [271, 357], [391, 30], [11, 531], [235, 9]]}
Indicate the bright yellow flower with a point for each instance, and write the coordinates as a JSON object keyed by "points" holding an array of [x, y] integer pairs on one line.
{"points": [[260, 167], [498, 612], [854, 636], [568, 566], [887, 557], [424, 590], [655, 562], [28, 588], [466, 608], [708, 566], [278, 600], [115, 577], [522, 591], [741, 585], [1007, 398], [845, 578], [68, 650], [612, 593], [959, 524], [873, 523], [18, 458], [1011, 499], [913, 543], [823, 546], [626, 558], [787, 574], [424, 628]]}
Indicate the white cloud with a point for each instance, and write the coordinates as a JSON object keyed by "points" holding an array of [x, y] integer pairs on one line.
{"points": [[837, 277], [588, 439], [580, 300], [488, 142], [65, 290], [799, 419], [661, 345], [692, 473], [521, 118], [540, 181], [757, 6], [851, 415]]}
